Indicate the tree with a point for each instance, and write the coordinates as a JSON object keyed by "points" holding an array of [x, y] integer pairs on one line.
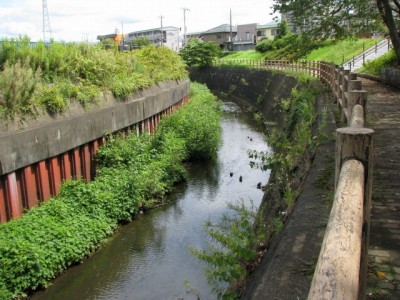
{"points": [[283, 30], [199, 53], [140, 42], [324, 19]]}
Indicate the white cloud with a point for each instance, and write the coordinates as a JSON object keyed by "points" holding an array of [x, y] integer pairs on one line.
{"points": [[71, 20]]}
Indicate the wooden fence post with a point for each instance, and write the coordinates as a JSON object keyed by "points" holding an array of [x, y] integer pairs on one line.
{"points": [[353, 98], [357, 143]]}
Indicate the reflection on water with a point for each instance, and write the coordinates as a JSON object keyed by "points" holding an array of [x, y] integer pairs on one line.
{"points": [[148, 258]]}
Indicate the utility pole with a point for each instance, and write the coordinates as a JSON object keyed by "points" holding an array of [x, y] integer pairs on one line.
{"points": [[184, 25], [230, 22], [123, 37], [162, 34], [46, 21]]}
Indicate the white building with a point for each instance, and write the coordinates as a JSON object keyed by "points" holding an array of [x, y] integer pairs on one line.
{"points": [[170, 36]]}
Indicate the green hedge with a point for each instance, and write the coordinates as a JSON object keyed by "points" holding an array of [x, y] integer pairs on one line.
{"points": [[133, 174]]}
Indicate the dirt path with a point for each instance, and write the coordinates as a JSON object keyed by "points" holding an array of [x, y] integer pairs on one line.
{"points": [[383, 115]]}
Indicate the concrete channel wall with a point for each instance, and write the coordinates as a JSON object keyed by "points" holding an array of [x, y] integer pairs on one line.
{"points": [[35, 160]]}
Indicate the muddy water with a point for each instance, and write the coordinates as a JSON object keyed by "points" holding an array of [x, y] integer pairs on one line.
{"points": [[149, 258]]}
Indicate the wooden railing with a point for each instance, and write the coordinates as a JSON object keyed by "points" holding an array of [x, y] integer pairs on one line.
{"points": [[342, 264], [341, 269]]}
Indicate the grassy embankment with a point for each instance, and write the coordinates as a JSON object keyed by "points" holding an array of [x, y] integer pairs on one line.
{"points": [[50, 77], [329, 51], [134, 174]]}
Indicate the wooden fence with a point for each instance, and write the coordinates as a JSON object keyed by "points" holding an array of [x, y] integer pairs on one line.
{"points": [[342, 264]]}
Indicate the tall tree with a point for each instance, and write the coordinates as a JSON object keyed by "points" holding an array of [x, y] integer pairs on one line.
{"points": [[324, 19]]}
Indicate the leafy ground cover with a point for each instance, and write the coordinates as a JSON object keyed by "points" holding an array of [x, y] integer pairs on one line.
{"points": [[134, 174]]}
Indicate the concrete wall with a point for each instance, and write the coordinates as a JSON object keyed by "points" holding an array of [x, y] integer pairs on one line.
{"points": [[391, 76], [28, 146], [257, 88]]}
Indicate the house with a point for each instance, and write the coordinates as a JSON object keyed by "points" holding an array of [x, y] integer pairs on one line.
{"points": [[192, 35], [221, 35], [245, 38], [170, 36], [268, 30], [116, 37]]}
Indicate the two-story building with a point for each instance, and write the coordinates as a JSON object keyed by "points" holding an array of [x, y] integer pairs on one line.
{"points": [[268, 30], [221, 35], [245, 38], [167, 36]]}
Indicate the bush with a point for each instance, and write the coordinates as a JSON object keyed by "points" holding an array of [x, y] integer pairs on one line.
{"points": [[17, 84], [265, 45], [198, 125], [50, 97], [199, 53]]}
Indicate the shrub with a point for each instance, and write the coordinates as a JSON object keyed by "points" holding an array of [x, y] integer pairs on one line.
{"points": [[50, 97], [232, 249], [265, 45], [198, 125], [199, 53], [17, 84]]}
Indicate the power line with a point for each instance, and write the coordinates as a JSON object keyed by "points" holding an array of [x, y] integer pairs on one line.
{"points": [[46, 21]]}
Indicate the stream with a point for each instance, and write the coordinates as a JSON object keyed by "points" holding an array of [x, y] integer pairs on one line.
{"points": [[149, 258]]}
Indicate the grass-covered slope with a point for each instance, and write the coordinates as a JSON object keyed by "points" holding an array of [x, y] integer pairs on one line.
{"points": [[374, 67], [340, 51], [134, 173], [50, 76]]}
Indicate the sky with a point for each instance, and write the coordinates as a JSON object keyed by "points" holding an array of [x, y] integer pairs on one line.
{"points": [[84, 20]]}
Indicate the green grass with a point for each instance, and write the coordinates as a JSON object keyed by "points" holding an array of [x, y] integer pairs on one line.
{"points": [[331, 51], [249, 54], [340, 51], [374, 67]]}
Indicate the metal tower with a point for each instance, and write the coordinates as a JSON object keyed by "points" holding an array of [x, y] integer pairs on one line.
{"points": [[46, 22]]}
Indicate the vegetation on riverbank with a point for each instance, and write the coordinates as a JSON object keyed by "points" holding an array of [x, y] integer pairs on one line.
{"points": [[50, 76], [134, 173]]}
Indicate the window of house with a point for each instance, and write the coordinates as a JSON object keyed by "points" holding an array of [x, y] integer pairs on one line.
{"points": [[220, 35], [273, 32], [247, 36]]}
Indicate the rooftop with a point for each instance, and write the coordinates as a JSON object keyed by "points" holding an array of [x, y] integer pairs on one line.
{"points": [[220, 29]]}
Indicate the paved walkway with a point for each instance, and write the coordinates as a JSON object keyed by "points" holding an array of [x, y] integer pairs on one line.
{"points": [[383, 115]]}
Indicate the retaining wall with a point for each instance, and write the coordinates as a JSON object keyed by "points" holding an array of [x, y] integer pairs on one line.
{"points": [[257, 88], [36, 159], [391, 76]]}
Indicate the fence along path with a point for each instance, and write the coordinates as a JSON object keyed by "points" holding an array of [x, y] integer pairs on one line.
{"points": [[342, 264]]}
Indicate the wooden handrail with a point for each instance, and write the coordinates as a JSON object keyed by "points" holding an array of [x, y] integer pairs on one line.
{"points": [[342, 263]]}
